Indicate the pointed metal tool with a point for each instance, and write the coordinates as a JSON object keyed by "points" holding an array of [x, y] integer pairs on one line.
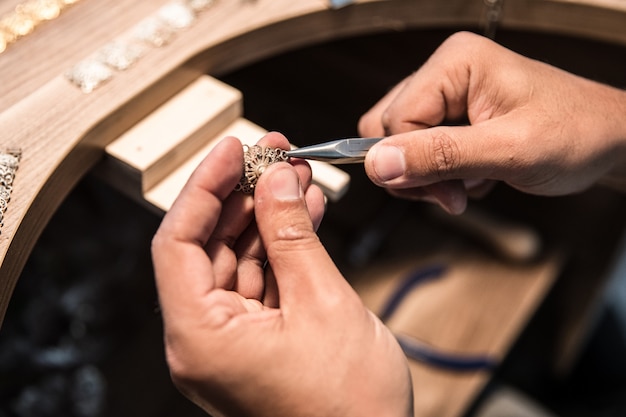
{"points": [[341, 151]]}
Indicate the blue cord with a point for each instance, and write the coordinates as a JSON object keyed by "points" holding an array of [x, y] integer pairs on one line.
{"points": [[455, 362], [415, 278], [419, 351]]}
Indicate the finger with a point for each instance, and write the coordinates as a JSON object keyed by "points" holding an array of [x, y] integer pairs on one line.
{"points": [[429, 156], [429, 98], [305, 274], [448, 87], [449, 195], [253, 280], [478, 189], [250, 281], [315, 202], [183, 271], [225, 248], [371, 123], [236, 218]]}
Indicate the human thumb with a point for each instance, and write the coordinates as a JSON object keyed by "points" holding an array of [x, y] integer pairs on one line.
{"points": [[302, 268]]}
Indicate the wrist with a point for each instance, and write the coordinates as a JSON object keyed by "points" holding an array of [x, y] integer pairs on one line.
{"points": [[616, 176]]}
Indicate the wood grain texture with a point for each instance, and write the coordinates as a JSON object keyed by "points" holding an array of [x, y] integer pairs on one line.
{"points": [[479, 306], [146, 153]]}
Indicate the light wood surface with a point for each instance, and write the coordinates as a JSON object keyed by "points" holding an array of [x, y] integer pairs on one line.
{"points": [[478, 306], [143, 155]]}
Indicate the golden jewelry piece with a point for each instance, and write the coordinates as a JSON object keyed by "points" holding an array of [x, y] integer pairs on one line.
{"points": [[255, 160], [26, 17], [119, 55], [9, 162]]}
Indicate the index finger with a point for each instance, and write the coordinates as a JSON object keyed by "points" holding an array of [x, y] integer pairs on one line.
{"points": [[181, 265], [371, 123]]}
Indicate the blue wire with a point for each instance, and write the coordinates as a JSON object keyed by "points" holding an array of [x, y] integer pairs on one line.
{"points": [[455, 362], [416, 277], [418, 351]]}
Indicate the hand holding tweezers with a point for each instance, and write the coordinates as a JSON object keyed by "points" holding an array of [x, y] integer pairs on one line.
{"points": [[341, 151]]}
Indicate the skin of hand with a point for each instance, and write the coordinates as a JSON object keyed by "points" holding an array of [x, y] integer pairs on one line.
{"points": [[258, 321], [535, 127]]}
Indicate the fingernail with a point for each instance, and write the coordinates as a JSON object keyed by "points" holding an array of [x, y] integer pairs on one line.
{"points": [[389, 162], [284, 185]]}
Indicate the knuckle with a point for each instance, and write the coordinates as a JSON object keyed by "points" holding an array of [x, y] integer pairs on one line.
{"points": [[293, 239], [463, 40], [444, 155]]}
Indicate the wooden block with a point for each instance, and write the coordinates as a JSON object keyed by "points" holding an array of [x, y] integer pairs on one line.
{"points": [[159, 143], [163, 194], [333, 181]]}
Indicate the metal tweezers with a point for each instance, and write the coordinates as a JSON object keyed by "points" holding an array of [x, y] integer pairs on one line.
{"points": [[341, 151]]}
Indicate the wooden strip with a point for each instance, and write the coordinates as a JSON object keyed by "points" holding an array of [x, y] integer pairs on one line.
{"points": [[333, 181], [163, 194], [159, 143], [601, 20]]}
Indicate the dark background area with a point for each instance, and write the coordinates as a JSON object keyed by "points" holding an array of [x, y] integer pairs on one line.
{"points": [[82, 336]]}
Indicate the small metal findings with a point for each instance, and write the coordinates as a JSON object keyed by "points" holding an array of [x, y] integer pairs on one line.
{"points": [[40, 10], [9, 162], [25, 18], [89, 74], [155, 31], [18, 25], [120, 55], [255, 160], [177, 15], [199, 5]]}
